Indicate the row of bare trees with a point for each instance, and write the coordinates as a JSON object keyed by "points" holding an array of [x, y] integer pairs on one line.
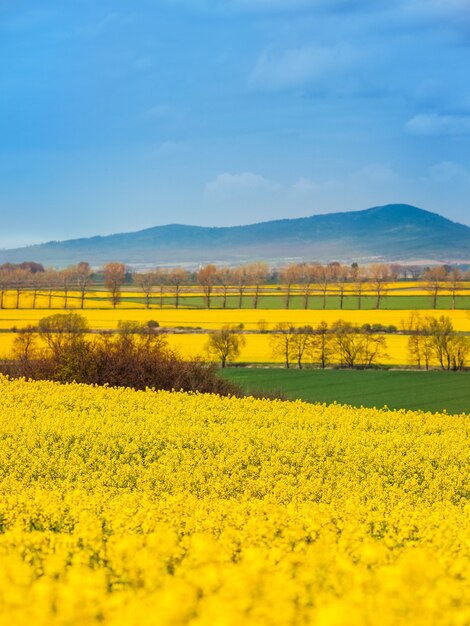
{"points": [[434, 341], [303, 280], [46, 282], [340, 343], [78, 278]]}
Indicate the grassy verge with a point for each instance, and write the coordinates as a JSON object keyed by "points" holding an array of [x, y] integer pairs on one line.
{"points": [[428, 391]]}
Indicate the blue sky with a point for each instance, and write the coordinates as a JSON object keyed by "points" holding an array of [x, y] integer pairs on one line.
{"points": [[118, 115]]}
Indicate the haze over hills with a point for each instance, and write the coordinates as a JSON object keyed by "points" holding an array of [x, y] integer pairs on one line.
{"points": [[396, 232]]}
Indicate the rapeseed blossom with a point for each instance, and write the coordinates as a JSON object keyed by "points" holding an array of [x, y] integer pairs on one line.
{"points": [[108, 319], [126, 508]]}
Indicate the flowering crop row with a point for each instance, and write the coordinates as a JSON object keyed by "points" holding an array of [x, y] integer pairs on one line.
{"points": [[257, 348], [215, 318], [138, 508]]}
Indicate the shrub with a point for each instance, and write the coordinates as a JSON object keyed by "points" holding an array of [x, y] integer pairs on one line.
{"points": [[138, 356]]}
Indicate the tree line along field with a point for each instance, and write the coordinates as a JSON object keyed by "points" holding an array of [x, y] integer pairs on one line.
{"points": [[254, 285], [256, 349], [126, 508], [396, 298]]}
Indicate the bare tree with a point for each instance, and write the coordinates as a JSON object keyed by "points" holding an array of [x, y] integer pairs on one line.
{"points": [[67, 278], [300, 343], [145, 282], [308, 276], [258, 273], [225, 278], [114, 278], [419, 340], [20, 280], [323, 278], [434, 277], [380, 276], [51, 279], [35, 283], [373, 349], [241, 280], [434, 339], [356, 346], [281, 341], [347, 343], [415, 271], [25, 343], [224, 344], [207, 278], [161, 279], [320, 348], [178, 278], [442, 333], [342, 278], [289, 276], [460, 352], [454, 277], [358, 277], [83, 276]]}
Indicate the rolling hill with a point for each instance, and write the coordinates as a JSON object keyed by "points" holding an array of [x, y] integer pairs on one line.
{"points": [[396, 232]]}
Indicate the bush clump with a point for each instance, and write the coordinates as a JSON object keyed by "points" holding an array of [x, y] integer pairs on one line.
{"points": [[137, 356]]}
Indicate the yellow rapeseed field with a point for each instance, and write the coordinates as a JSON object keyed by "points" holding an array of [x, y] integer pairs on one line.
{"points": [[130, 508], [257, 348], [215, 318]]}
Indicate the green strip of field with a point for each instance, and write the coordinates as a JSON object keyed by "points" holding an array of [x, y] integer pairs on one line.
{"points": [[350, 303], [428, 391]]}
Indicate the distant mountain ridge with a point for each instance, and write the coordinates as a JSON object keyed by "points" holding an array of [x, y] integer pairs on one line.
{"points": [[391, 233]]}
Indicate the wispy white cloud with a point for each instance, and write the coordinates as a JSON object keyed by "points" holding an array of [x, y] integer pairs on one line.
{"points": [[448, 172], [304, 187], [276, 70], [247, 192], [239, 183], [371, 177], [438, 124]]}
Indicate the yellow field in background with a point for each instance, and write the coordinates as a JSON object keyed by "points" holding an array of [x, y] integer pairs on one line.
{"points": [[215, 318], [256, 350], [93, 300]]}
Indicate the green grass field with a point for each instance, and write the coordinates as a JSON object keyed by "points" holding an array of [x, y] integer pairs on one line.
{"points": [[428, 391], [401, 302]]}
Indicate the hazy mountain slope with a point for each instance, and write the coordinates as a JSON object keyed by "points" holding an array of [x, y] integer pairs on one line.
{"points": [[392, 232]]}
